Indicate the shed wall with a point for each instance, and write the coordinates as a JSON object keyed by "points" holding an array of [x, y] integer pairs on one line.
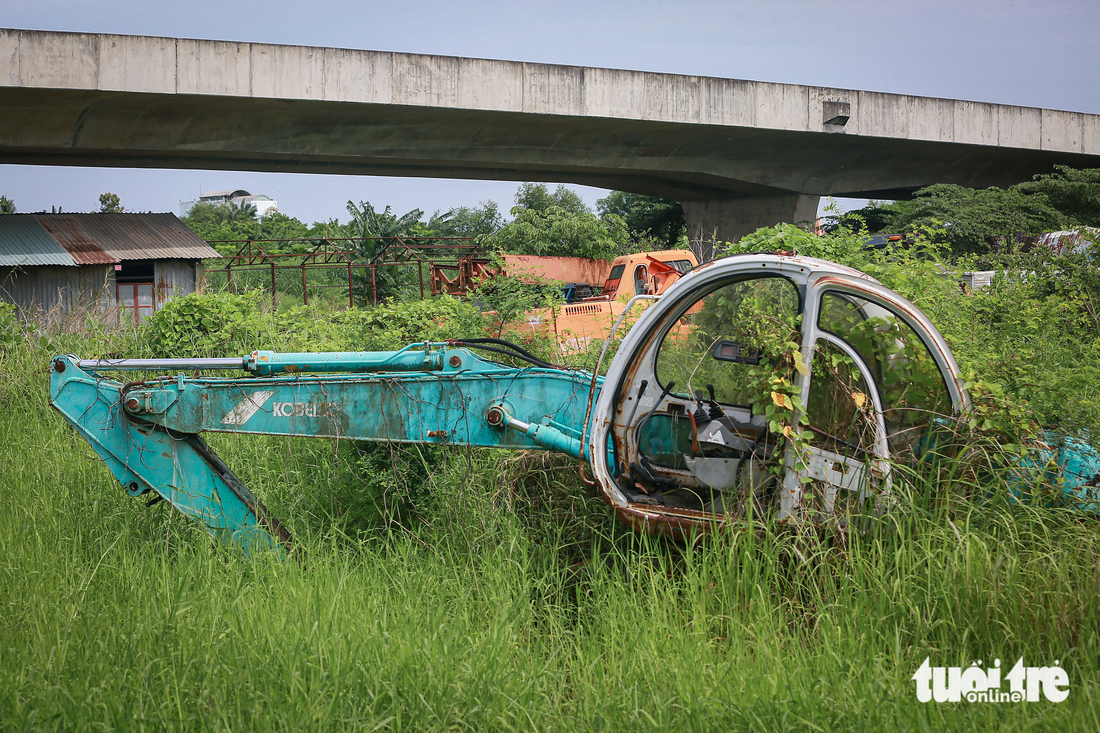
{"points": [[174, 278], [42, 289]]}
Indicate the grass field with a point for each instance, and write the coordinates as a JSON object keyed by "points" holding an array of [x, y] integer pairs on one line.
{"points": [[494, 593]]}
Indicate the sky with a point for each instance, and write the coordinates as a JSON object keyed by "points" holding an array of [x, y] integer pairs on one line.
{"points": [[1032, 53]]}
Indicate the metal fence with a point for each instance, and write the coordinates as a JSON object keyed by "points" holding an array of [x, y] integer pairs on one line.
{"points": [[363, 267]]}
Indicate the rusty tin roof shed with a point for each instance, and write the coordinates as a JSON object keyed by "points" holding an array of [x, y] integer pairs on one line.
{"points": [[125, 237], [70, 235], [24, 243]]}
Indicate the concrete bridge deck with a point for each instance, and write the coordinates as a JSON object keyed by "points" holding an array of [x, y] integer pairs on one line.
{"points": [[738, 153]]}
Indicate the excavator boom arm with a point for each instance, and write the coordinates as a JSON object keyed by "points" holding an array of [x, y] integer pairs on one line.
{"points": [[148, 432]]}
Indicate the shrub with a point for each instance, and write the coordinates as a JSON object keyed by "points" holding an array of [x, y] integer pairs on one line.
{"points": [[223, 324], [10, 333], [205, 325]]}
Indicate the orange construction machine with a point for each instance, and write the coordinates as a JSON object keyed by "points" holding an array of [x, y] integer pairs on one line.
{"points": [[576, 323]]}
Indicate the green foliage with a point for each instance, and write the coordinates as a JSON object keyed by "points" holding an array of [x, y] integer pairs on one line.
{"points": [[109, 204], [506, 600], [386, 487], [761, 315], [1034, 334], [649, 219], [198, 325], [223, 324], [1030, 343], [223, 221], [557, 232], [7, 206], [538, 197], [983, 220], [11, 335], [465, 221], [386, 282], [875, 217], [389, 326], [509, 297], [368, 222], [975, 220], [450, 589], [1074, 193]]}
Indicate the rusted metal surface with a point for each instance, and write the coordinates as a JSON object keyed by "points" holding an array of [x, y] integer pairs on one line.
{"points": [[441, 254], [1068, 242], [460, 277], [25, 243], [172, 279], [562, 269], [127, 237], [71, 235]]}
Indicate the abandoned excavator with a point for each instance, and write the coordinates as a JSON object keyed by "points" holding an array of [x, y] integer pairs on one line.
{"points": [[854, 378]]}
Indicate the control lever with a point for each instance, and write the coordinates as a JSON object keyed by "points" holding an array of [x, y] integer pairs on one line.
{"points": [[716, 410]]}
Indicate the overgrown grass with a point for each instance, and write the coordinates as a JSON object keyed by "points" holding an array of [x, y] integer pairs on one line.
{"points": [[493, 593]]}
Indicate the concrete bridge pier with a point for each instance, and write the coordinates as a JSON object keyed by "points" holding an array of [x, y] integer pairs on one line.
{"points": [[727, 220]]}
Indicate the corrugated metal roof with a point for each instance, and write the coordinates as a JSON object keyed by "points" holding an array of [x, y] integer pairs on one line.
{"points": [[24, 242], [70, 235], [137, 236], [1066, 242]]}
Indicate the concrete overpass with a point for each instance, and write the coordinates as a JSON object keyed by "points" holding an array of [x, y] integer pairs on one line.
{"points": [[738, 154]]}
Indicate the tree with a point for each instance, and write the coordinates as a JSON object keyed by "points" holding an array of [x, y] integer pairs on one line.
{"points": [[537, 197], [109, 204], [1075, 193], [648, 218], [277, 225], [219, 221], [7, 206], [240, 212], [368, 222], [969, 220], [974, 220], [465, 221], [557, 232], [876, 217]]}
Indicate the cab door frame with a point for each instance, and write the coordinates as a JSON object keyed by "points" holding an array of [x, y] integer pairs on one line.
{"points": [[818, 463]]}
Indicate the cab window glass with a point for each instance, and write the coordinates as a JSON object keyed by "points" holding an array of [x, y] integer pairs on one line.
{"points": [[722, 339], [909, 381], [841, 411]]}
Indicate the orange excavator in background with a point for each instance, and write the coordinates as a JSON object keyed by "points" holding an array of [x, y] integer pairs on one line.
{"points": [[578, 321], [585, 314]]}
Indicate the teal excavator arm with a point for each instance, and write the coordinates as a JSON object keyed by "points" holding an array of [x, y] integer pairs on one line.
{"points": [[147, 432]]}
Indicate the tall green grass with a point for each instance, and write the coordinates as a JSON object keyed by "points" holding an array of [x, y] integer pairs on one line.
{"points": [[492, 592]]}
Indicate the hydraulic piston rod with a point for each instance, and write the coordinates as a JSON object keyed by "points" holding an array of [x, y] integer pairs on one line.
{"points": [[426, 357], [159, 365]]}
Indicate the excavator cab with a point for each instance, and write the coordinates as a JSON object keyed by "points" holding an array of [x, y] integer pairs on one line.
{"points": [[701, 401]]}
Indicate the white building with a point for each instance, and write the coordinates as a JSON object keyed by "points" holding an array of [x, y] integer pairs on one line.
{"points": [[239, 196]]}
